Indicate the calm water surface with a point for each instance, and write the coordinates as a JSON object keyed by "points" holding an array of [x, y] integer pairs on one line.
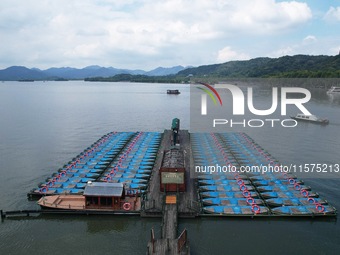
{"points": [[45, 124]]}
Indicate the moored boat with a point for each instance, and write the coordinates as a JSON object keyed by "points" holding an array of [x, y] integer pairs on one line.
{"points": [[334, 90], [98, 196], [226, 187], [310, 118], [218, 194], [232, 201], [173, 92], [275, 182], [275, 202], [309, 210], [220, 177], [236, 210], [272, 177], [279, 188], [287, 194], [219, 182]]}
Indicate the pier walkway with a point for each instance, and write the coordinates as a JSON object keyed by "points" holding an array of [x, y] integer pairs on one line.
{"points": [[188, 206], [171, 205], [169, 243]]}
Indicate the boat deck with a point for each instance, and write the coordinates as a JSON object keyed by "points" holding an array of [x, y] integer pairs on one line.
{"points": [[77, 202]]}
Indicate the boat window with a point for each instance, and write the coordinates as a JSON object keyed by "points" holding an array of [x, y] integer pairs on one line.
{"points": [[106, 201], [92, 200]]}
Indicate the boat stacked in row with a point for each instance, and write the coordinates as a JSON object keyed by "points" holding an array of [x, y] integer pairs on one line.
{"points": [[243, 189], [281, 191], [112, 151], [223, 192], [134, 165]]}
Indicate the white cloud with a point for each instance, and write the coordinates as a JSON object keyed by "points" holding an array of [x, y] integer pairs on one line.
{"points": [[227, 54], [333, 14], [146, 33], [267, 16], [310, 45], [309, 39]]}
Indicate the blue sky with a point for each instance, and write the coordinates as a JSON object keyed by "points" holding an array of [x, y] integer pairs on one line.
{"points": [[145, 34]]}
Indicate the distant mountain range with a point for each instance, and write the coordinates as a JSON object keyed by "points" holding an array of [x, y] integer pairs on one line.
{"points": [[298, 66], [15, 73]]}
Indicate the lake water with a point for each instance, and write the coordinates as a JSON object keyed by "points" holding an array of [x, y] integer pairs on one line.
{"points": [[45, 124]]}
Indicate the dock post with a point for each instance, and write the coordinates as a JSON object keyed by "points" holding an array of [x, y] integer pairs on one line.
{"points": [[153, 240], [2, 215]]}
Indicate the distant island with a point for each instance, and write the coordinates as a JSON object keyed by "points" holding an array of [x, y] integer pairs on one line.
{"points": [[298, 66]]}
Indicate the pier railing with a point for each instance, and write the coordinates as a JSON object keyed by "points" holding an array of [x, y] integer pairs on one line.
{"points": [[182, 240], [149, 205], [153, 240]]}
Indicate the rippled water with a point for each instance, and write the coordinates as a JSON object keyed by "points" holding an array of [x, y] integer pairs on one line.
{"points": [[45, 124]]}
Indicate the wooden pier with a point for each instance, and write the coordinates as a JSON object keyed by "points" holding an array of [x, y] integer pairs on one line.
{"points": [[169, 243], [188, 206], [171, 205]]}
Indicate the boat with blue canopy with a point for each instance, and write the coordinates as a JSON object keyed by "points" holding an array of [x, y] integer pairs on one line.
{"points": [[236, 210], [305, 210], [275, 202], [232, 201]]}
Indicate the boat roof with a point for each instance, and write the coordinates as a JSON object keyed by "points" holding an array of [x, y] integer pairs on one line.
{"points": [[173, 158], [104, 189]]}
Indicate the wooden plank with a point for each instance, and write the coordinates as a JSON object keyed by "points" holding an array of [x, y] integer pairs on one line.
{"points": [[153, 191], [169, 227]]}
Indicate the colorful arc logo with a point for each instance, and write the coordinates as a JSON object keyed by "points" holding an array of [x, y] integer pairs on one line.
{"points": [[213, 95], [210, 92]]}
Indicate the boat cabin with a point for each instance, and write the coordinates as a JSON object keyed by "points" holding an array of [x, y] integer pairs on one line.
{"points": [[307, 117], [172, 171], [104, 195], [311, 118]]}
